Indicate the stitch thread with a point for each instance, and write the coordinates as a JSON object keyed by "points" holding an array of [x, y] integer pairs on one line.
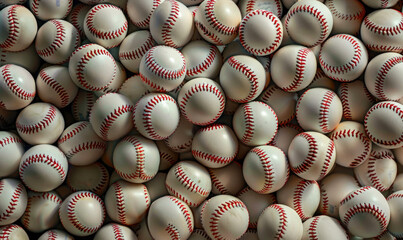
{"points": [[43, 158], [187, 182], [359, 15], [39, 126], [249, 73], [218, 212], [172, 231], [184, 211], [56, 86], [282, 227], [109, 120], [14, 29], [300, 70], [169, 25], [312, 233], [120, 202], [145, 23], [366, 208], [139, 52], [217, 183], [354, 194], [57, 41], [9, 140], [15, 199], [117, 232], [161, 71], [297, 202], [382, 74], [324, 111], [13, 85], [214, 22], [267, 168], [311, 158], [203, 66]]}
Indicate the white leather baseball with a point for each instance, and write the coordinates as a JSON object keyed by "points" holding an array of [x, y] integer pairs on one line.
{"points": [[221, 213], [56, 40], [311, 155], [11, 151], [333, 189], [136, 159], [17, 87], [365, 212], [55, 234], [92, 67], [348, 63], [356, 100], [347, 16], [352, 145], [301, 195], [156, 116], [382, 76], [215, 146], [18, 28], [293, 68], [201, 101], [189, 181], [81, 144], [111, 116], [274, 6], [255, 203], [156, 186], [380, 3], [42, 211], [13, 231], [133, 88], [82, 104], [162, 68], [242, 78], [309, 22], [27, 58], [279, 221], [285, 135], [226, 180], [13, 200], [169, 217], [40, 123], [202, 60], [395, 201], [93, 178], [55, 86], [199, 234], [133, 48], [167, 157], [260, 32], [171, 24], [381, 31], [319, 109], [282, 102], [82, 213], [379, 173], [127, 203], [218, 21], [43, 168], [266, 169], [106, 25], [140, 11], [115, 231], [387, 134], [181, 140], [324, 227], [77, 16], [48, 9]]}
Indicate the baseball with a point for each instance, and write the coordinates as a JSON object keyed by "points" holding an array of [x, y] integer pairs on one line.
{"points": [[265, 169], [13, 231], [221, 213], [106, 25], [324, 227], [127, 203], [319, 109], [115, 231], [274, 6], [215, 146], [189, 181], [40, 123], [140, 11], [11, 151], [13, 200], [17, 87], [285, 135], [170, 217], [18, 28], [43, 168], [293, 68], [171, 24], [56, 40], [382, 76], [55, 234], [93, 178], [347, 15], [82, 213], [55, 86], [47, 9], [181, 140], [242, 78], [396, 214], [77, 15], [162, 68], [225, 181], [136, 159], [167, 156]]}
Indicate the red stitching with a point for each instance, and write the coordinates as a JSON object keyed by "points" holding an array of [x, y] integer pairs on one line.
{"points": [[354, 194], [203, 66], [169, 24], [56, 86], [355, 134], [214, 22], [217, 183], [394, 195], [73, 19], [347, 17], [202, 87], [213, 158], [146, 195], [168, 157], [373, 177], [39, 126], [13, 85], [161, 71], [188, 183], [297, 202], [307, 163], [120, 202], [300, 70], [184, 211], [381, 30], [265, 97], [145, 23], [249, 124], [15, 198], [88, 101], [76, 130], [383, 72], [112, 117], [328, 159], [117, 232], [84, 147], [14, 29], [72, 215], [9, 140], [367, 208], [343, 90], [347, 67], [6, 231], [281, 230], [43, 158], [26, 218], [208, 34], [314, 12], [313, 235], [104, 34], [249, 73], [279, 32], [218, 212], [139, 52], [382, 48], [250, 6], [325, 199], [267, 168], [57, 41], [324, 110], [34, 7], [173, 232], [392, 106]]}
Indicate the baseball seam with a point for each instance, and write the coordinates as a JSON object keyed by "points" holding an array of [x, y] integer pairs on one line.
{"points": [[139, 51], [366, 208], [249, 74], [204, 65], [219, 211], [324, 111], [169, 24], [267, 169], [14, 28], [12, 205], [311, 158], [57, 42], [47, 120], [301, 60], [186, 214], [13, 86], [55, 86], [42, 158], [297, 198], [9, 140], [382, 74]]}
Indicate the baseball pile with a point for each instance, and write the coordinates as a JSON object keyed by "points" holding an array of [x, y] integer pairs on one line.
{"points": [[192, 119]]}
